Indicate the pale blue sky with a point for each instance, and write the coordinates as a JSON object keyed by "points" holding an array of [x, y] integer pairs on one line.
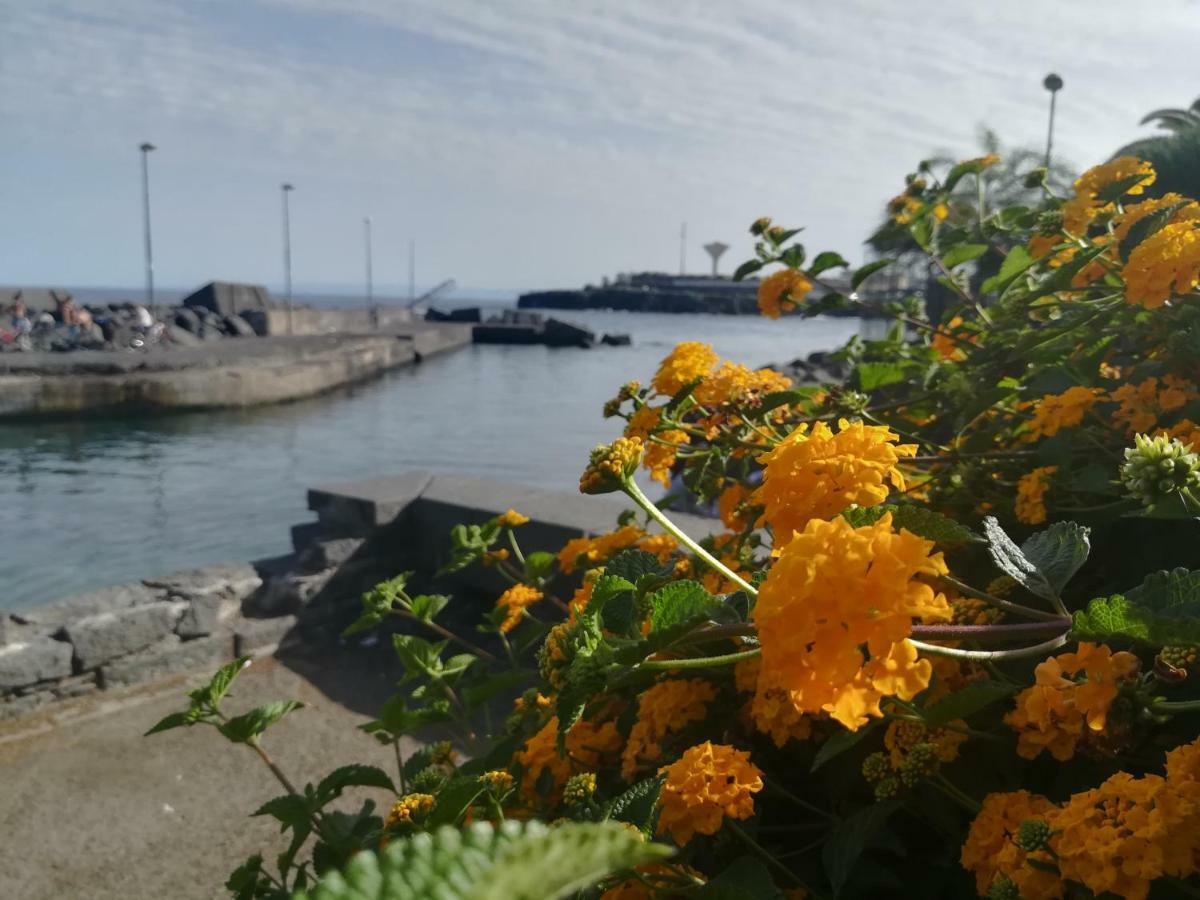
{"points": [[524, 143]]}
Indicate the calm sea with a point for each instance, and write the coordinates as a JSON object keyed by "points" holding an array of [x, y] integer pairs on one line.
{"points": [[94, 502]]}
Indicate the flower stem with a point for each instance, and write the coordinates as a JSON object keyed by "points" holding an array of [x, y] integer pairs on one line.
{"points": [[759, 851], [635, 493], [992, 655], [1015, 631], [1176, 706], [966, 802], [699, 662], [1016, 608]]}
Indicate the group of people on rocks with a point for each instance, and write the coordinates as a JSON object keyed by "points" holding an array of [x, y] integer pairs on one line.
{"points": [[73, 327]]}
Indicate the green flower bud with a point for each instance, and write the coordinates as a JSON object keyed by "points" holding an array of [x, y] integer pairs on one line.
{"points": [[428, 781], [920, 762], [1003, 888], [760, 225], [888, 789], [579, 789], [1160, 468], [876, 767], [1032, 835]]}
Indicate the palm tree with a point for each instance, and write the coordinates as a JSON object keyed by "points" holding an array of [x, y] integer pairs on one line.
{"points": [[1175, 155]]}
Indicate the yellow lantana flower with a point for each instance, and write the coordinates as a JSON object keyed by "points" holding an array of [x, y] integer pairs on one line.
{"points": [[782, 292], [708, 784]]}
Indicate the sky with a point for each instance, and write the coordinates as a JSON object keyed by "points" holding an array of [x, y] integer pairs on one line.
{"points": [[525, 144]]}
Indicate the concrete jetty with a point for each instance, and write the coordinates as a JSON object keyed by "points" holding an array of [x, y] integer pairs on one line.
{"points": [[326, 353]]}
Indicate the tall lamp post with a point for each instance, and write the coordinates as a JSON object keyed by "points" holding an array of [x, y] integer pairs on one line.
{"points": [[146, 149], [1053, 83], [286, 189], [370, 285]]}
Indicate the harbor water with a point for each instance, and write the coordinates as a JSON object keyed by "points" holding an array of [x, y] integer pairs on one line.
{"points": [[87, 503]]}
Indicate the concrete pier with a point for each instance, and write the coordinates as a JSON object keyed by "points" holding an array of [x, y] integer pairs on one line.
{"points": [[228, 373]]}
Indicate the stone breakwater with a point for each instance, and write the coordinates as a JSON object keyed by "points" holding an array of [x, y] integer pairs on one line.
{"points": [[195, 620], [211, 376]]}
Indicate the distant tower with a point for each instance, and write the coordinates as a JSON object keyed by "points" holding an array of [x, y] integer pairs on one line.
{"points": [[715, 249]]}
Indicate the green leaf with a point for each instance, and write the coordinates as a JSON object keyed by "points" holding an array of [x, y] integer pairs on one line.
{"points": [[493, 686], [858, 516], [874, 375], [775, 399], [633, 564], [175, 720], [960, 171], [1119, 189], [539, 564], [681, 603], [1016, 262], [1145, 227], [862, 273], [743, 878], [1164, 609], [1012, 562], [332, 785], [825, 261], [454, 799], [637, 804], [931, 525], [848, 840], [1058, 552], [291, 810], [248, 879], [970, 699], [962, 253], [839, 744], [242, 729], [747, 268], [417, 655], [793, 256], [426, 606], [378, 603], [515, 861], [224, 678]]}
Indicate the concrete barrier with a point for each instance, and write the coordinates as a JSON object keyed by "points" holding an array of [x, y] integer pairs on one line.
{"points": [[306, 320], [195, 620]]}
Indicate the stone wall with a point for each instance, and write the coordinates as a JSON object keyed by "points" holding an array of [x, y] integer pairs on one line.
{"points": [[306, 320], [195, 620]]}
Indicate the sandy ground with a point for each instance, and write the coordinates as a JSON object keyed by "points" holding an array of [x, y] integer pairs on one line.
{"points": [[91, 809]]}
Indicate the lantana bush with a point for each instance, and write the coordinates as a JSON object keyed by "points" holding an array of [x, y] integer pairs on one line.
{"points": [[942, 643]]}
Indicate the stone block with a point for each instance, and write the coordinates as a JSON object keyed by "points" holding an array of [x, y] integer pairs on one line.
{"points": [[328, 554], [306, 534], [51, 616], [107, 636], [205, 613], [260, 637], [285, 594], [6, 628], [13, 706], [168, 656], [75, 686], [28, 662], [238, 580], [353, 509]]}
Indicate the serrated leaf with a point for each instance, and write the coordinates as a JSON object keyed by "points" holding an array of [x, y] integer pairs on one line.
{"points": [[839, 744], [1145, 227], [454, 799], [426, 606], [1058, 552], [243, 728], [681, 603], [848, 840], [825, 261], [862, 273], [332, 785], [923, 522], [793, 256], [1009, 559], [539, 564], [174, 720], [874, 375], [493, 686], [515, 861], [1164, 609], [636, 806], [633, 564], [747, 268], [1015, 262], [1119, 189], [858, 516], [970, 699], [743, 878], [962, 253], [291, 810]]}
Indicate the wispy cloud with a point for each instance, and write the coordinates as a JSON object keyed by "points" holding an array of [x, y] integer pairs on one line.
{"points": [[558, 141]]}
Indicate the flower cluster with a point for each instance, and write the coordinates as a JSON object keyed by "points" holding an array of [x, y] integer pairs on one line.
{"points": [[814, 625], [1071, 691], [664, 708], [816, 473], [514, 602], [706, 785]]}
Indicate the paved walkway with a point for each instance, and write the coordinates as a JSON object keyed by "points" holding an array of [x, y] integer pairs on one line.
{"points": [[91, 809]]}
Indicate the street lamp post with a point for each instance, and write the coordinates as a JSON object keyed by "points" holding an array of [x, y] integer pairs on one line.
{"points": [[286, 189], [370, 286], [1053, 83], [146, 149]]}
